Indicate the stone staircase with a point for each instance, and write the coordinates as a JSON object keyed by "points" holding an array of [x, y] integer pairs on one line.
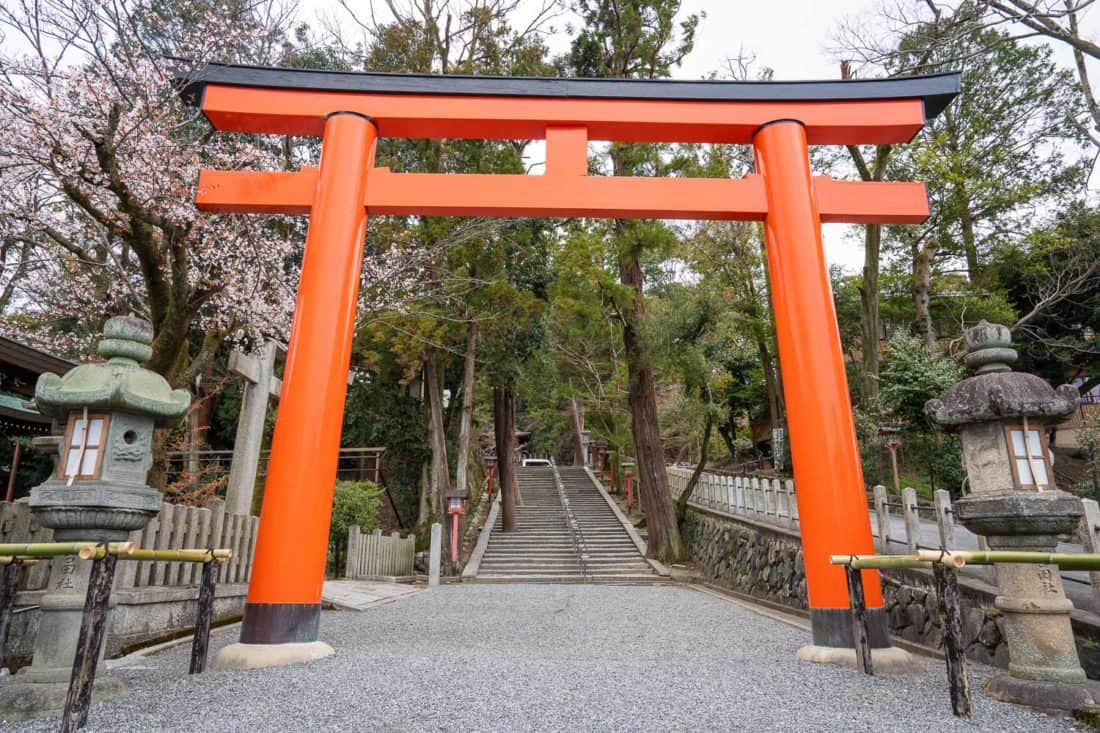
{"points": [[546, 546]]}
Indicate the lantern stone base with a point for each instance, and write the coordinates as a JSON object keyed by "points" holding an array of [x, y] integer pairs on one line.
{"points": [[22, 699], [40, 689], [254, 656], [1043, 694], [887, 660]]}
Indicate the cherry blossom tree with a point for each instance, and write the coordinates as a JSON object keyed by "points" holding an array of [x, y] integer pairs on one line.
{"points": [[98, 169]]}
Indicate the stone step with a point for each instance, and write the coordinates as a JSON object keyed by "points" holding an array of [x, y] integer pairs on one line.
{"points": [[587, 543], [637, 578]]}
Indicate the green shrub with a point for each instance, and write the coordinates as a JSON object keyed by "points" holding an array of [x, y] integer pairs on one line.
{"points": [[356, 502]]}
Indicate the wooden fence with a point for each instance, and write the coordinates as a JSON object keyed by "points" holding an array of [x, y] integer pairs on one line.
{"points": [[377, 555], [174, 527]]}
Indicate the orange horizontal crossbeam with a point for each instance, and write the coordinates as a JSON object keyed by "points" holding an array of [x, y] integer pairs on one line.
{"points": [[303, 112], [434, 194]]}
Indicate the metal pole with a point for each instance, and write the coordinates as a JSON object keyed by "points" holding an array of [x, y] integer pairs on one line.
{"points": [[17, 448], [454, 541]]}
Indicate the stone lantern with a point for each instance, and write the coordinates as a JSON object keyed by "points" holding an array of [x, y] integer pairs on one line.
{"points": [[999, 415], [98, 492]]}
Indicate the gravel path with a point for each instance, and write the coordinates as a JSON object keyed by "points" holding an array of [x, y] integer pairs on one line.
{"points": [[547, 658]]}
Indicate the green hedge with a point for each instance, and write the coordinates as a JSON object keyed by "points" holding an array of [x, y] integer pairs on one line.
{"points": [[356, 502]]}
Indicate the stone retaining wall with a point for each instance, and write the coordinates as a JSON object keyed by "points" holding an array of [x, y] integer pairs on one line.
{"points": [[138, 616], [913, 611], [766, 562], [750, 557]]}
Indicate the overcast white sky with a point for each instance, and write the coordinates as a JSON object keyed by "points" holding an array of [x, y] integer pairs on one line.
{"points": [[790, 36]]}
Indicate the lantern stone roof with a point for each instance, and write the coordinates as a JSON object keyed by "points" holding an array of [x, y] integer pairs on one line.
{"points": [[996, 392], [120, 383]]}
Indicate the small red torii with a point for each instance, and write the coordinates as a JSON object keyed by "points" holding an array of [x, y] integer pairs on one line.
{"points": [[349, 111]]}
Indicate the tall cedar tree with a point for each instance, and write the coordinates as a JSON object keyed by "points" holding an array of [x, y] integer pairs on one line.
{"points": [[637, 39]]}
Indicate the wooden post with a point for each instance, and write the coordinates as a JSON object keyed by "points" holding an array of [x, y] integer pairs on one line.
{"points": [[792, 502], [1090, 522], [434, 552], [941, 500], [352, 552], [947, 588], [92, 629], [204, 616], [9, 586], [164, 540], [912, 519], [860, 635], [882, 519]]}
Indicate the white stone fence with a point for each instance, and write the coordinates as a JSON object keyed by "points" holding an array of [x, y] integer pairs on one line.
{"points": [[759, 499], [174, 527], [773, 501], [379, 556]]}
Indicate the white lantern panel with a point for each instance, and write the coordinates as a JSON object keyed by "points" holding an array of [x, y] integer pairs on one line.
{"points": [[84, 446], [72, 461], [1027, 454]]}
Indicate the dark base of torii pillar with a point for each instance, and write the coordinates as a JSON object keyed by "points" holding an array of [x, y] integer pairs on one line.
{"points": [[833, 642]]}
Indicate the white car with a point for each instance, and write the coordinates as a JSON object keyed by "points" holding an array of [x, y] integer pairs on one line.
{"points": [[536, 462]]}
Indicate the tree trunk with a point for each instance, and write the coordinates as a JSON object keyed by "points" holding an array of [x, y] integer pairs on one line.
{"points": [[465, 421], [466, 418], [775, 413], [664, 534], [870, 324], [437, 438], [424, 516], [578, 432], [726, 431], [504, 434], [682, 499], [922, 293], [970, 243], [777, 406]]}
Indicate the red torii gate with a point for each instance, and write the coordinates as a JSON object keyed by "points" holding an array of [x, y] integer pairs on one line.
{"points": [[349, 111]]}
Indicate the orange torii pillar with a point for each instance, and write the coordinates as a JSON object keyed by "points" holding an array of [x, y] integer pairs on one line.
{"points": [[819, 413], [780, 120], [283, 610]]}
